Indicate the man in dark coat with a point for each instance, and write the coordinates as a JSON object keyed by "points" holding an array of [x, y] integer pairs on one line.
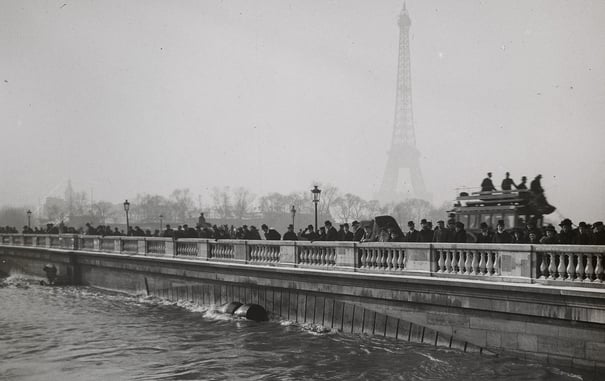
{"points": [[567, 235], [584, 236], [598, 230], [508, 183], [309, 234], [551, 236], [347, 235], [501, 235], [253, 234], [357, 231], [426, 232], [486, 236], [460, 235], [413, 235], [441, 233], [270, 233], [486, 184], [290, 235], [331, 232]]}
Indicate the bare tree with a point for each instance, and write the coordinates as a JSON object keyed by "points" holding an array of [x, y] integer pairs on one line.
{"points": [[221, 200], [242, 202], [273, 203], [182, 203]]}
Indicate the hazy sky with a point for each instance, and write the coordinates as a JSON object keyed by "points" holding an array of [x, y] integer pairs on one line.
{"points": [[128, 97]]}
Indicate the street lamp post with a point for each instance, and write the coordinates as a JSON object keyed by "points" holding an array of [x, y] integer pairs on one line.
{"points": [[161, 218], [29, 218], [126, 208], [316, 192], [293, 211]]}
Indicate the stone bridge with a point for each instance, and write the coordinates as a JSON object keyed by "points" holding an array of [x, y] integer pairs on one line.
{"points": [[541, 302]]}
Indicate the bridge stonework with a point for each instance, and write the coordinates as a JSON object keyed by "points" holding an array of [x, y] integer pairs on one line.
{"points": [[537, 302]]}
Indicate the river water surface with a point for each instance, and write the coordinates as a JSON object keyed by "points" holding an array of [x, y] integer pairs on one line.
{"points": [[80, 333]]}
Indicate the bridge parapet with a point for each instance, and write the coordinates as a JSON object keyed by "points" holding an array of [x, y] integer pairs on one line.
{"points": [[562, 265]]}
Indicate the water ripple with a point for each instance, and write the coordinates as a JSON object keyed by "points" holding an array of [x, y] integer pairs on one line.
{"points": [[75, 333]]}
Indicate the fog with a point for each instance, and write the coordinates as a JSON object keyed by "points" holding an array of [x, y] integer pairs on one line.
{"points": [[129, 97]]}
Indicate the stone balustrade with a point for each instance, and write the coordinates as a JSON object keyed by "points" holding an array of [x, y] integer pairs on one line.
{"points": [[544, 264]]}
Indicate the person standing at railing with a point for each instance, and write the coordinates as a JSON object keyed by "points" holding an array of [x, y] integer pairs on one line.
{"points": [[426, 232], [368, 235], [567, 235], [270, 233], [441, 232], [584, 236], [486, 236], [551, 236], [501, 235], [347, 234], [598, 230], [331, 232], [357, 231], [309, 234], [460, 236], [412, 235], [290, 235]]}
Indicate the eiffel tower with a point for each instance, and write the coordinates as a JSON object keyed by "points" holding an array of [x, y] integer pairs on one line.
{"points": [[402, 176]]}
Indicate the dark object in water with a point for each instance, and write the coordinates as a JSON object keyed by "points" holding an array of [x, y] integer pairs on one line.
{"points": [[51, 273], [252, 312], [232, 307]]}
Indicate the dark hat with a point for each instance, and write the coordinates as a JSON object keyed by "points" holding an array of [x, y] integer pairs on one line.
{"points": [[523, 177], [423, 221], [507, 173], [328, 223], [501, 222], [489, 173], [410, 223], [290, 226], [459, 225], [582, 225], [483, 225], [566, 221], [252, 227], [264, 226], [550, 228], [244, 226], [440, 222], [345, 225], [310, 227], [355, 223], [451, 222], [597, 224]]}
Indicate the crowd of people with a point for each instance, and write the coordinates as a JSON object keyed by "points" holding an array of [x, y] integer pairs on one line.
{"points": [[453, 232]]}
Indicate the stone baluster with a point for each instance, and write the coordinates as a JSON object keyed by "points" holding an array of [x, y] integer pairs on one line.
{"points": [[450, 258], [475, 263], [441, 261], [571, 269], [561, 267], [543, 266], [580, 268], [589, 270], [482, 263], [490, 264], [599, 269], [552, 269]]}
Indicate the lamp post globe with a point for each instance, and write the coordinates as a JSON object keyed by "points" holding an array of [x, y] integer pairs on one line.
{"points": [[316, 192]]}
